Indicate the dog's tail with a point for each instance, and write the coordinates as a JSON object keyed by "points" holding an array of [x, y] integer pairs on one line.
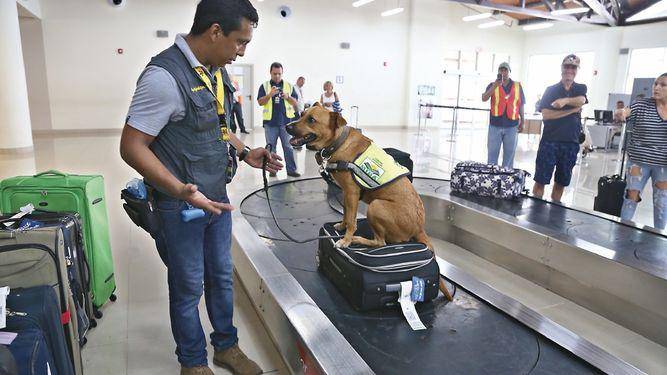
{"points": [[423, 238]]}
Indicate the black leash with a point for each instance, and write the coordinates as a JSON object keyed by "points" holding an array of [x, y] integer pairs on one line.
{"points": [[268, 201]]}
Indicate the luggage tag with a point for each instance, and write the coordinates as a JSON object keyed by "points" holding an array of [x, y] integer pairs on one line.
{"points": [[25, 210], [408, 307], [418, 287], [4, 292]]}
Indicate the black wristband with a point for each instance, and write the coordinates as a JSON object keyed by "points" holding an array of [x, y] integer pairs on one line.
{"points": [[244, 152]]}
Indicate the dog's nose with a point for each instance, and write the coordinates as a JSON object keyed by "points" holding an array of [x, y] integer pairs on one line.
{"points": [[290, 128]]}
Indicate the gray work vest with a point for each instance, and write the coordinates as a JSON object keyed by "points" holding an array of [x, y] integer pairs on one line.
{"points": [[191, 148]]}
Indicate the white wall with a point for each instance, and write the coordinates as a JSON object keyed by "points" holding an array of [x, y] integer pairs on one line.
{"points": [[312, 49], [90, 85], [33, 7], [34, 60], [436, 28]]}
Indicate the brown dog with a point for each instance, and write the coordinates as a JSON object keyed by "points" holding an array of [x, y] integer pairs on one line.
{"points": [[395, 211]]}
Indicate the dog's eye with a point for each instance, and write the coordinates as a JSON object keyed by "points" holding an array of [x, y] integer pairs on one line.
{"points": [[311, 119]]}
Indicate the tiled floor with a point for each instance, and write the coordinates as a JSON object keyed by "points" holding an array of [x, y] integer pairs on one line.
{"points": [[134, 336]]}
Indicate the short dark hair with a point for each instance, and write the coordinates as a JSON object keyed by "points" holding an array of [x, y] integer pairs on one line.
{"points": [[226, 13], [276, 65], [620, 101], [663, 75]]}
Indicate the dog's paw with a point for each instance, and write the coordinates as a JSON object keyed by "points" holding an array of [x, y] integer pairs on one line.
{"points": [[343, 243], [340, 226]]}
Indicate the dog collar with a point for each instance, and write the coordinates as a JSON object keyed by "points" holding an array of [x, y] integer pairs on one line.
{"points": [[329, 150]]}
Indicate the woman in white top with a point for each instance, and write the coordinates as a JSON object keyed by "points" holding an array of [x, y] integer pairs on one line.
{"points": [[329, 96]]}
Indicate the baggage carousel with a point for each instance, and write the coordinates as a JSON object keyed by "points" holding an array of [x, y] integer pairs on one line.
{"points": [[484, 329]]}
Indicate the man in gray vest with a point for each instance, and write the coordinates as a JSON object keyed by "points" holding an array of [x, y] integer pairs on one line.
{"points": [[176, 137]]}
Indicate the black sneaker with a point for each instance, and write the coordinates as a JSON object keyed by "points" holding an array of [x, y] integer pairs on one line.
{"points": [[294, 174]]}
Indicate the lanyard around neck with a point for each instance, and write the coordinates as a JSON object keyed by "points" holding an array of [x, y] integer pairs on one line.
{"points": [[219, 95]]}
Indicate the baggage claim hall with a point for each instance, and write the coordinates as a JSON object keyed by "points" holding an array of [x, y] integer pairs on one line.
{"points": [[333, 187]]}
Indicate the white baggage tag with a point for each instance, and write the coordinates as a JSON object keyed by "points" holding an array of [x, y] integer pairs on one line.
{"points": [[4, 292], [408, 307], [25, 210]]}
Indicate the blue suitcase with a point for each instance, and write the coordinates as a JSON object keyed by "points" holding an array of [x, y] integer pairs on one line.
{"points": [[37, 308], [31, 353]]}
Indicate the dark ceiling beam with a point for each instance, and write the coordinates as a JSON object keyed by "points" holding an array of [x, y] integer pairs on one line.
{"points": [[600, 9], [528, 11]]}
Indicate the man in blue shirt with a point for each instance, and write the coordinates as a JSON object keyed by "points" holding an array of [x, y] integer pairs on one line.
{"points": [[279, 100], [561, 113], [506, 116]]}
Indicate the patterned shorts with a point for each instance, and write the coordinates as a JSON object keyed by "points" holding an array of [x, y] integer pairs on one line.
{"points": [[559, 155]]}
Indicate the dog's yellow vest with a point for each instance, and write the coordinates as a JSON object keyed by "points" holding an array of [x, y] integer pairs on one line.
{"points": [[372, 169]]}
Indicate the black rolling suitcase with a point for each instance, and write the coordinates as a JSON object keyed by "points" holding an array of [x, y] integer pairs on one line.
{"points": [[611, 190], [36, 311], [369, 278]]}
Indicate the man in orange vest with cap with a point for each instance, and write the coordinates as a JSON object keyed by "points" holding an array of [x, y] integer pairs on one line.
{"points": [[506, 120]]}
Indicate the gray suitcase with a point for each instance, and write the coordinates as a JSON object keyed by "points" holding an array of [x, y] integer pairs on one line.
{"points": [[37, 257]]}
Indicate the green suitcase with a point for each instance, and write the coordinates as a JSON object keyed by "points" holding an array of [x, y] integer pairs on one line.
{"points": [[61, 192]]}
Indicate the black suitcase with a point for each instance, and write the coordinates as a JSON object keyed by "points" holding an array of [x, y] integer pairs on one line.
{"points": [[611, 191], [37, 308], [78, 271], [369, 278]]}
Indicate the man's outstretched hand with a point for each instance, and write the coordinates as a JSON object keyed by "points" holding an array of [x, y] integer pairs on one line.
{"points": [[192, 195], [255, 158]]}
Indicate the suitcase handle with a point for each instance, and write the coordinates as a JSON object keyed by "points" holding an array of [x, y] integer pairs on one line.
{"points": [[52, 172]]}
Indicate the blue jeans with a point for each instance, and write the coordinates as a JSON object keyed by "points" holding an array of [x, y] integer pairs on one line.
{"points": [[199, 261], [505, 135], [657, 174], [272, 133]]}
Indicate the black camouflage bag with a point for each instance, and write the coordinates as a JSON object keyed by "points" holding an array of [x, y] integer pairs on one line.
{"points": [[488, 180]]}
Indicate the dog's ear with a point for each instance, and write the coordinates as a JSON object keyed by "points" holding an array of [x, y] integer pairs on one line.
{"points": [[336, 120], [316, 104]]}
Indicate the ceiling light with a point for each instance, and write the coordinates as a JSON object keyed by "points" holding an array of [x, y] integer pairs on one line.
{"points": [[656, 10], [538, 26], [359, 3], [566, 11], [491, 24], [476, 17], [391, 12]]}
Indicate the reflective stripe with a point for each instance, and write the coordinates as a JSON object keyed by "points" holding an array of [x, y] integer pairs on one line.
{"points": [[506, 103]]}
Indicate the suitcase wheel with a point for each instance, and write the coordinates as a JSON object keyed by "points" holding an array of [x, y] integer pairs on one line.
{"points": [[98, 314], [84, 342], [113, 298], [93, 323]]}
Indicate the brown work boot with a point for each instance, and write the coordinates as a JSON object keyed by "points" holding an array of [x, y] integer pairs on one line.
{"points": [[197, 370], [235, 360]]}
